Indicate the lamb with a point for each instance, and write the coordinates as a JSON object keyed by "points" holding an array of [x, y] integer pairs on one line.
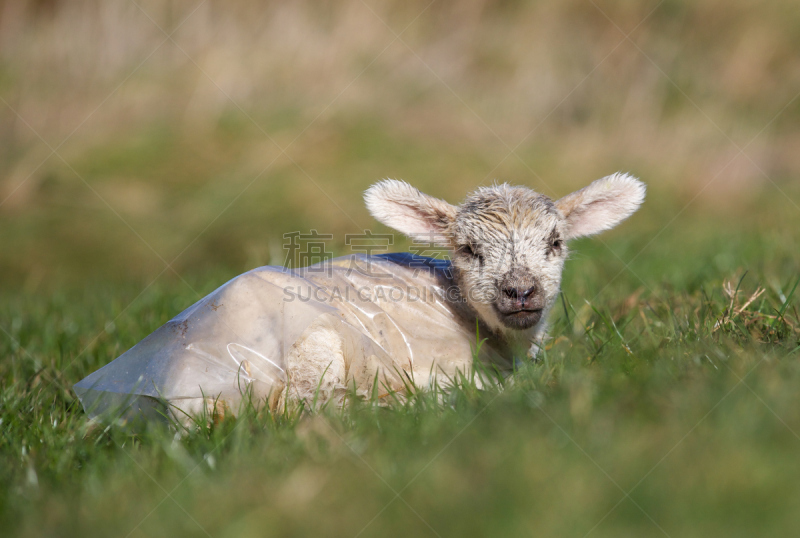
{"points": [[508, 246], [312, 335]]}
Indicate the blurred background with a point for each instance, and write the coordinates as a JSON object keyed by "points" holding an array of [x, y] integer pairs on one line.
{"points": [[143, 139], [151, 150]]}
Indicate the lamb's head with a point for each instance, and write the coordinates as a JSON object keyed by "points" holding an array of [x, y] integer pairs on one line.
{"points": [[508, 243]]}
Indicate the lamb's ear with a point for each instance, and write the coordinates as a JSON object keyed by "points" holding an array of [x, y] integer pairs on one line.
{"points": [[404, 208], [601, 205]]}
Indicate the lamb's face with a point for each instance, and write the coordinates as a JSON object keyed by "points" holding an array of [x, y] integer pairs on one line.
{"points": [[508, 243], [508, 254]]}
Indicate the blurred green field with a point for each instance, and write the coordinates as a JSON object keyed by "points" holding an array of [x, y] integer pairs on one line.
{"points": [[139, 172]]}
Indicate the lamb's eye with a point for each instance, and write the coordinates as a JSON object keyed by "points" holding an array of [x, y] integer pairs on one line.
{"points": [[555, 245], [554, 242], [467, 250]]}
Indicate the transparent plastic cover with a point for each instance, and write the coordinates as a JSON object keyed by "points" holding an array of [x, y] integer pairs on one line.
{"points": [[390, 311]]}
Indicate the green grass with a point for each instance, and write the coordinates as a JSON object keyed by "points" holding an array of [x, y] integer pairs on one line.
{"points": [[662, 406]]}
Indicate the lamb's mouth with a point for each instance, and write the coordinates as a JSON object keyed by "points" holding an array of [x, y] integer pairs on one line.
{"points": [[524, 318]]}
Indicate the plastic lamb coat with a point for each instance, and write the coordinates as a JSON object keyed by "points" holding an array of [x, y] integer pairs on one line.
{"points": [[390, 312]]}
